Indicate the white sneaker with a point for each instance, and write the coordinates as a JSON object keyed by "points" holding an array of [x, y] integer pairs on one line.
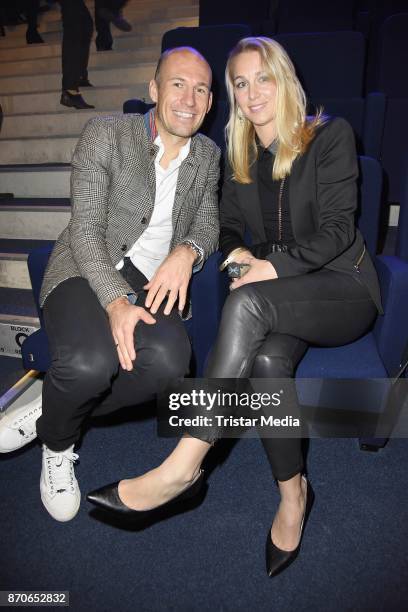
{"points": [[59, 488], [18, 428]]}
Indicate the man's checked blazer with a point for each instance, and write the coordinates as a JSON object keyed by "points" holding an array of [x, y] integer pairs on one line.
{"points": [[112, 196]]}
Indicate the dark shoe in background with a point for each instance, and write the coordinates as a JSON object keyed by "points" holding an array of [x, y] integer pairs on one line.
{"points": [[74, 101], [103, 48], [84, 83], [33, 37], [116, 18], [121, 23]]}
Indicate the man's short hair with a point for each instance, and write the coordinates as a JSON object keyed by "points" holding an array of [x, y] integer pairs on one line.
{"points": [[168, 52]]}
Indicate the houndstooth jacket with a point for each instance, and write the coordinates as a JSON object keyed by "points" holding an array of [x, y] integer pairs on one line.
{"points": [[112, 195]]}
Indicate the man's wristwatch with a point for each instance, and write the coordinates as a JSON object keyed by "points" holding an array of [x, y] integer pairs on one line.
{"points": [[196, 249], [132, 298]]}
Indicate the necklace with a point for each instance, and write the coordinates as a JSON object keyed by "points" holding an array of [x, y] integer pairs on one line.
{"points": [[282, 185]]}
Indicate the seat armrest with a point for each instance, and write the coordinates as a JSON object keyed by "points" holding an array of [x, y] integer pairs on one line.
{"points": [[391, 329], [207, 297]]}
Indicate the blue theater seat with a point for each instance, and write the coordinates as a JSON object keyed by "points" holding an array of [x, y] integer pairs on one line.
{"points": [[392, 82], [365, 115], [316, 16], [214, 12], [330, 66]]}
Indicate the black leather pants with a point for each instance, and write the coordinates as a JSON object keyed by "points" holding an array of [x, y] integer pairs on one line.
{"points": [[266, 328], [85, 376]]}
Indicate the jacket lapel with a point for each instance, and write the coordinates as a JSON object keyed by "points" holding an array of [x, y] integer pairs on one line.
{"points": [[186, 176]]}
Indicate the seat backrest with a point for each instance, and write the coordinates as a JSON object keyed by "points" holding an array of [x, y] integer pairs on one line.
{"points": [[329, 64], [135, 105], [393, 48], [351, 109], [214, 42], [316, 16], [391, 79], [214, 12], [402, 235], [37, 262]]}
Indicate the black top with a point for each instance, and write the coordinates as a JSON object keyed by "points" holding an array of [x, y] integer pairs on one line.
{"points": [[268, 191]]}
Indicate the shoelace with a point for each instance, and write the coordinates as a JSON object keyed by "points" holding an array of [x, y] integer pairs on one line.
{"points": [[61, 479], [25, 420]]}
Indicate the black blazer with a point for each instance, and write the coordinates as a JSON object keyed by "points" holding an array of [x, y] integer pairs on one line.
{"points": [[323, 202]]}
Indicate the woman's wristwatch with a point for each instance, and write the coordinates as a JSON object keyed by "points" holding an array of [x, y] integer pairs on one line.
{"points": [[231, 256]]}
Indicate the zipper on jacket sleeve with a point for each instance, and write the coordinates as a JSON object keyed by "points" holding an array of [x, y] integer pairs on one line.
{"points": [[360, 259]]}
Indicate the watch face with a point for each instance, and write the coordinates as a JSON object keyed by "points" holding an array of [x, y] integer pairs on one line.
{"points": [[132, 297]]}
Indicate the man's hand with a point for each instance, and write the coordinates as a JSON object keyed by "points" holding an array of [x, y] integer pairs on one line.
{"points": [[123, 318], [260, 270], [171, 278]]}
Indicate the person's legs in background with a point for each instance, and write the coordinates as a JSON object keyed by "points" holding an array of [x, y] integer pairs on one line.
{"points": [[77, 33], [107, 12], [31, 10]]}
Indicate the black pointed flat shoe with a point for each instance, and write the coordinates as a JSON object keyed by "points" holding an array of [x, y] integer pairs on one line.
{"points": [[74, 101], [278, 560], [108, 499]]}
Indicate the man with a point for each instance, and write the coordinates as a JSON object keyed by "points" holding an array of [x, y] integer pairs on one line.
{"points": [[144, 214]]}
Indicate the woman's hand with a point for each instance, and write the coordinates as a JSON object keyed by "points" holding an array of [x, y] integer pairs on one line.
{"points": [[260, 270], [244, 257]]}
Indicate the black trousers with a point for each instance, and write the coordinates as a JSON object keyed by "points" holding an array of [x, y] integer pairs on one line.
{"points": [[77, 27], [30, 8], [104, 38], [85, 376], [267, 326]]}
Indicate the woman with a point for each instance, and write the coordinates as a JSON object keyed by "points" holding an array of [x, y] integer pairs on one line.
{"points": [[291, 181]]}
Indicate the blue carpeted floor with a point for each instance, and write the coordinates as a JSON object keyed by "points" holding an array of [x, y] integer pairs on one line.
{"points": [[354, 554]]}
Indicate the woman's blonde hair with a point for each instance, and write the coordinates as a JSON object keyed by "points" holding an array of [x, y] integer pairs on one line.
{"points": [[294, 131]]}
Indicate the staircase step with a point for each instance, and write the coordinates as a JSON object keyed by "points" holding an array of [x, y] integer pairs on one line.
{"points": [[139, 19], [130, 41], [66, 123], [37, 181], [135, 75], [137, 11], [109, 98], [147, 31], [29, 64], [13, 262], [38, 151], [39, 219]]}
